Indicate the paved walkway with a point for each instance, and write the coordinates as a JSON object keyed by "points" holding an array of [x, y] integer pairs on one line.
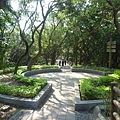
{"points": [[60, 104]]}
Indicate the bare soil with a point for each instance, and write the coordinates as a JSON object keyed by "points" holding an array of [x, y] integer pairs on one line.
{"points": [[7, 110]]}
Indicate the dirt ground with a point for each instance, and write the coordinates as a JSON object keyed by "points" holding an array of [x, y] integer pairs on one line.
{"points": [[6, 110]]}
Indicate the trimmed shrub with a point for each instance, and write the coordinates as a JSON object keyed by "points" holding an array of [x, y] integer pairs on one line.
{"points": [[96, 88], [30, 88], [48, 66], [93, 67]]}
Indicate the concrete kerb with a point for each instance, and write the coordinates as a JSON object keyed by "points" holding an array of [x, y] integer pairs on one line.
{"points": [[91, 71], [37, 100], [34, 72]]}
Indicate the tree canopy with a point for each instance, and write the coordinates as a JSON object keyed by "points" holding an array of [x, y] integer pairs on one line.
{"points": [[75, 30]]}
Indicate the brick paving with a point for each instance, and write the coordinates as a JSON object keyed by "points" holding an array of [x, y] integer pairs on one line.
{"points": [[60, 104]]}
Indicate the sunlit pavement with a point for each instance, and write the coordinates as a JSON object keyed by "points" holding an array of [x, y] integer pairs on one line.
{"points": [[60, 105]]}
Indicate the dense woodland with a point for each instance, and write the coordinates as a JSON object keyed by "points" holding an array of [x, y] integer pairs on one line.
{"points": [[75, 30]]}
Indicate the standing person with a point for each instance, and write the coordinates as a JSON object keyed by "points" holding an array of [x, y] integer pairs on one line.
{"points": [[62, 62], [59, 63], [65, 62]]}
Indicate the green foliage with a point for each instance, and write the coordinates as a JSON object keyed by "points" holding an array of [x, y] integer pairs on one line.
{"points": [[106, 80], [115, 76], [48, 66], [93, 67], [7, 70], [97, 88], [35, 67], [117, 72], [30, 88], [20, 91], [29, 81], [87, 90], [78, 66]]}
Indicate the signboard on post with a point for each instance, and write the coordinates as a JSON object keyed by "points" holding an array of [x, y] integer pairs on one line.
{"points": [[111, 48]]}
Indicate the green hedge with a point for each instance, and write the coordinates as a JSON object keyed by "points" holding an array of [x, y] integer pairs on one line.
{"points": [[98, 88], [93, 67], [24, 68], [90, 91], [48, 66], [29, 89], [30, 86]]}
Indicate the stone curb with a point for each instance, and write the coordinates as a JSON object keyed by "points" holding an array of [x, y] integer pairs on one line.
{"points": [[32, 103], [34, 72], [91, 71]]}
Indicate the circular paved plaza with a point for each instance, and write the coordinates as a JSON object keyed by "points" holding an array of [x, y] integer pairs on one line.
{"points": [[60, 104]]}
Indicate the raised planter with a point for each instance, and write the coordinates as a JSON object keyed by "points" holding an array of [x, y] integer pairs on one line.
{"points": [[87, 104], [32, 103], [38, 99], [91, 71], [84, 105], [34, 72]]}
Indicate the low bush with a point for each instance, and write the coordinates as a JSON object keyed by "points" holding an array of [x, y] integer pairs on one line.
{"points": [[117, 72], [20, 91], [7, 70], [29, 89], [87, 90], [30, 86], [93, 67], [49, 66], [28, 81], [97, 88]]}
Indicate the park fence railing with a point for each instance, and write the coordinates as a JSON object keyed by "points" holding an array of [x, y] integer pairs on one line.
{"points": [[115, 104]]}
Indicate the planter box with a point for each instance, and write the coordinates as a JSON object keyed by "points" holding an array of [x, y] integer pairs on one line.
{"points": [[84, 105], [32, 103], [87, 104]]}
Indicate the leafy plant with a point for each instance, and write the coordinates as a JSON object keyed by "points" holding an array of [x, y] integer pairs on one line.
{"points": [[93, 67], [95, 88], [48, 66], [30, 88], [117, 72]]}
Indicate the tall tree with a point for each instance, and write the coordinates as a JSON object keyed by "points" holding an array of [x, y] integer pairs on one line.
{"points": [[115, 5]]}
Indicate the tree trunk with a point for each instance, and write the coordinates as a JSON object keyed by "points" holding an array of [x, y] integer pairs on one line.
{"points": [[46, 59], [2, 3], [33, 61], [26, 51]]}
